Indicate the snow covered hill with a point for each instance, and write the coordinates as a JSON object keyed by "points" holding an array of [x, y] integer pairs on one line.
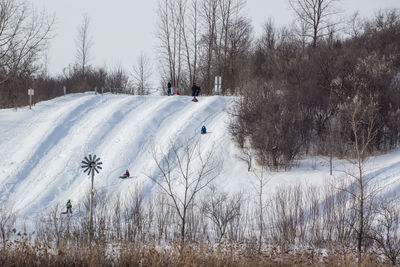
{"points": [[41, 149]]}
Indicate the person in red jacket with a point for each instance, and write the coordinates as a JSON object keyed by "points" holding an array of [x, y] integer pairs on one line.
{"points": [[126, 174]]}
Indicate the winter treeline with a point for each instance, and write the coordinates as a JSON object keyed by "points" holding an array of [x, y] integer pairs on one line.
{"points": [[201, 39], [25, 36], [323, 99]]}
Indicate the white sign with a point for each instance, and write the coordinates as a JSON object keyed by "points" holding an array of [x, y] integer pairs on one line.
{"points": [[217, 87], [31, 92]]}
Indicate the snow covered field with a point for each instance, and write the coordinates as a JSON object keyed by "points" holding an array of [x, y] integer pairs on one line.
{"points": [[41, 149]]}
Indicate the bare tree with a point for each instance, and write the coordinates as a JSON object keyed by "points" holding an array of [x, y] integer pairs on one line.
{"points": [[163, 215], [134, 214], [314, 16], [355, 25], [221, 209], [202, 38], [247, 156], [209, 13], [7, 221], [142, 72], [24, 32], [117, 217], [117, 81], [190, 34], [170, 14], [53, 227], [386, 230], [183, 172], [84, 43], [287, 216], [362, 117], [261, 182]]}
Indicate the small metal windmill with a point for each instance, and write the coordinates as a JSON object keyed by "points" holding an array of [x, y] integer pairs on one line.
{"points": [[91, 164]]}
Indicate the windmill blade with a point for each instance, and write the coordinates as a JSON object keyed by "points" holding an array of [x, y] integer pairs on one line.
{"points": [[91, 164]]}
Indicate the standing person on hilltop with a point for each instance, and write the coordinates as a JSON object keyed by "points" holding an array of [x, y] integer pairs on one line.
{"points": [[195, 92], [169, 88]]}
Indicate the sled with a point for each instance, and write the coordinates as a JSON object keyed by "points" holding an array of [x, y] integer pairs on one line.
{"points": [[126, 177]]}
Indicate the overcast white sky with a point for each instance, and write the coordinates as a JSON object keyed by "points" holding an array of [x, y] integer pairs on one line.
{"points": [[122, 29]]}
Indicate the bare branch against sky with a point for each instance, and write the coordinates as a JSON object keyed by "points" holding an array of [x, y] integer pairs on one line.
{"points": [[122, 29]]}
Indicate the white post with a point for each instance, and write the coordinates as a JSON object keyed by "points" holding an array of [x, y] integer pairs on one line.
{"points": [[217, 87], [65, 90], [30, 93]]}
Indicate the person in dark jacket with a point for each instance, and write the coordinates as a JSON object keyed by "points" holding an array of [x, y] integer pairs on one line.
{"points": [[203, 130], [169, 87], [195, 92], [194, 89], [69, 206]]}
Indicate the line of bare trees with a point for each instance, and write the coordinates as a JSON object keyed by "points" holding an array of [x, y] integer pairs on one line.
{"points": [[25, 34], [293, 102], [199, 39], [296, 218]]}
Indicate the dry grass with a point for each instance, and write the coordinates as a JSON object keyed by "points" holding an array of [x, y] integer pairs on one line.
{"points": [[25, 252]]}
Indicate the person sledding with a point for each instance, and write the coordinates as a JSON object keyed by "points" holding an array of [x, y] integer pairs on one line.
{"points": [[125, 175], [203, 130], [69, 207], [195, 92]]}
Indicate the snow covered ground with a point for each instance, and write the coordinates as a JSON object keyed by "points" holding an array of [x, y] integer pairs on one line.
{"points": [[41, 149]]}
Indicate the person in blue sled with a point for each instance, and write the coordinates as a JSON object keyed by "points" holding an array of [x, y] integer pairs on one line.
{"points": [[126, 175], [69, 207], [203, 130]]}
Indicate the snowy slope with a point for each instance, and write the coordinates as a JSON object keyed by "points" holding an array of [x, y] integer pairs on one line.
{"points": [[41, 149]]}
